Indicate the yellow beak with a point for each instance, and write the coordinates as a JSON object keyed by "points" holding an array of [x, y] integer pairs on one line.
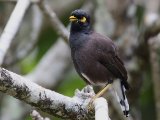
{"points": [[72, 18]]}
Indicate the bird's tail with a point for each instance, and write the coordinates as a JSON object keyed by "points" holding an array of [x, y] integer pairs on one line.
{"points": [[121, 97]]}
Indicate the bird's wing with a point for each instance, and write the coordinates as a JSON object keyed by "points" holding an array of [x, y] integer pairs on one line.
{"points": [[108, 57], [114, 64]]}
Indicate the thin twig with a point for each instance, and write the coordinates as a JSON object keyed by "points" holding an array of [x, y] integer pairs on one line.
{"points": [[56, 23]]}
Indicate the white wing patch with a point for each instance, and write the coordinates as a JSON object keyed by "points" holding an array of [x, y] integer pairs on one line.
{"points": [[87, 78]]}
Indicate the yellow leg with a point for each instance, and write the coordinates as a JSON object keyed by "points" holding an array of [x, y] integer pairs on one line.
{"points": [[100, 93]]}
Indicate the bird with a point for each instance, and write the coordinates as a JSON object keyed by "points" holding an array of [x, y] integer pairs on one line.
{"points": [[95, 58]]}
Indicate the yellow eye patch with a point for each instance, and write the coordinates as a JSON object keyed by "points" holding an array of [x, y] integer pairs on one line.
{"points": [[83, 20]]}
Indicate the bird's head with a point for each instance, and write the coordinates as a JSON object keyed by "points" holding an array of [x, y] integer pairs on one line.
{"points": [[80, 20]]}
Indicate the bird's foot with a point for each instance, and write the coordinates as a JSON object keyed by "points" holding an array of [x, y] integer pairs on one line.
{"points": [[90, 104], [86, 93]]}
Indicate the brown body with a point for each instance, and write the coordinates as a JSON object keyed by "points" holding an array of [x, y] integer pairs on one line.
{"points": [[97, 58]]}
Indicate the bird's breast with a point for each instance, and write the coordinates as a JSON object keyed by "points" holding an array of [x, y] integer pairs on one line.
{"points": [[88, 66]]}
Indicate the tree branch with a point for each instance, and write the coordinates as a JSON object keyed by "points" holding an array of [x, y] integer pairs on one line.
{"points": [[47, 100], [101, 109], [12, 27], [25, 47], [154, 45], [57, 25]]}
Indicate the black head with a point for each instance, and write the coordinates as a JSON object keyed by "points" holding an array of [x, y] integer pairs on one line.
{"points": [[80, 20]]}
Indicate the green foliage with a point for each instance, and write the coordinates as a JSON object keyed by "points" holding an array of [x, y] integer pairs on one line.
{"points": [[28, 64], [46, 39], [28, 118], [147, 103], [139, 14], [70, 84]]}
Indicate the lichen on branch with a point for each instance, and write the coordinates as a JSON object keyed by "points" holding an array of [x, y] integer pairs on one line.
{"points": [[46, 100]]}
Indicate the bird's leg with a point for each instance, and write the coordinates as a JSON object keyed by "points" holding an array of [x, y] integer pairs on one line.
{"points": [[99, 94]]}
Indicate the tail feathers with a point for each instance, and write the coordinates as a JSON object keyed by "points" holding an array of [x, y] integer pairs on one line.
{"points": [[125, 84], [121, 97]]}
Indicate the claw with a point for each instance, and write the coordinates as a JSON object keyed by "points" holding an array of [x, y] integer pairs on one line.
{"points": [[90, 104]]}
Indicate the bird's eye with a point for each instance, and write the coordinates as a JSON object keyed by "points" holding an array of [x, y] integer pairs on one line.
{"points": [[83, 19]]}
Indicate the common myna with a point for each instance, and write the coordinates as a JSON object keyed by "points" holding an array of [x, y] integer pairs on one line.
{"points": [[95, 57]]}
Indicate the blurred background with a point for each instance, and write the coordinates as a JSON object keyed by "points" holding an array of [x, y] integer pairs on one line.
{"points": [[39, 53]]}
